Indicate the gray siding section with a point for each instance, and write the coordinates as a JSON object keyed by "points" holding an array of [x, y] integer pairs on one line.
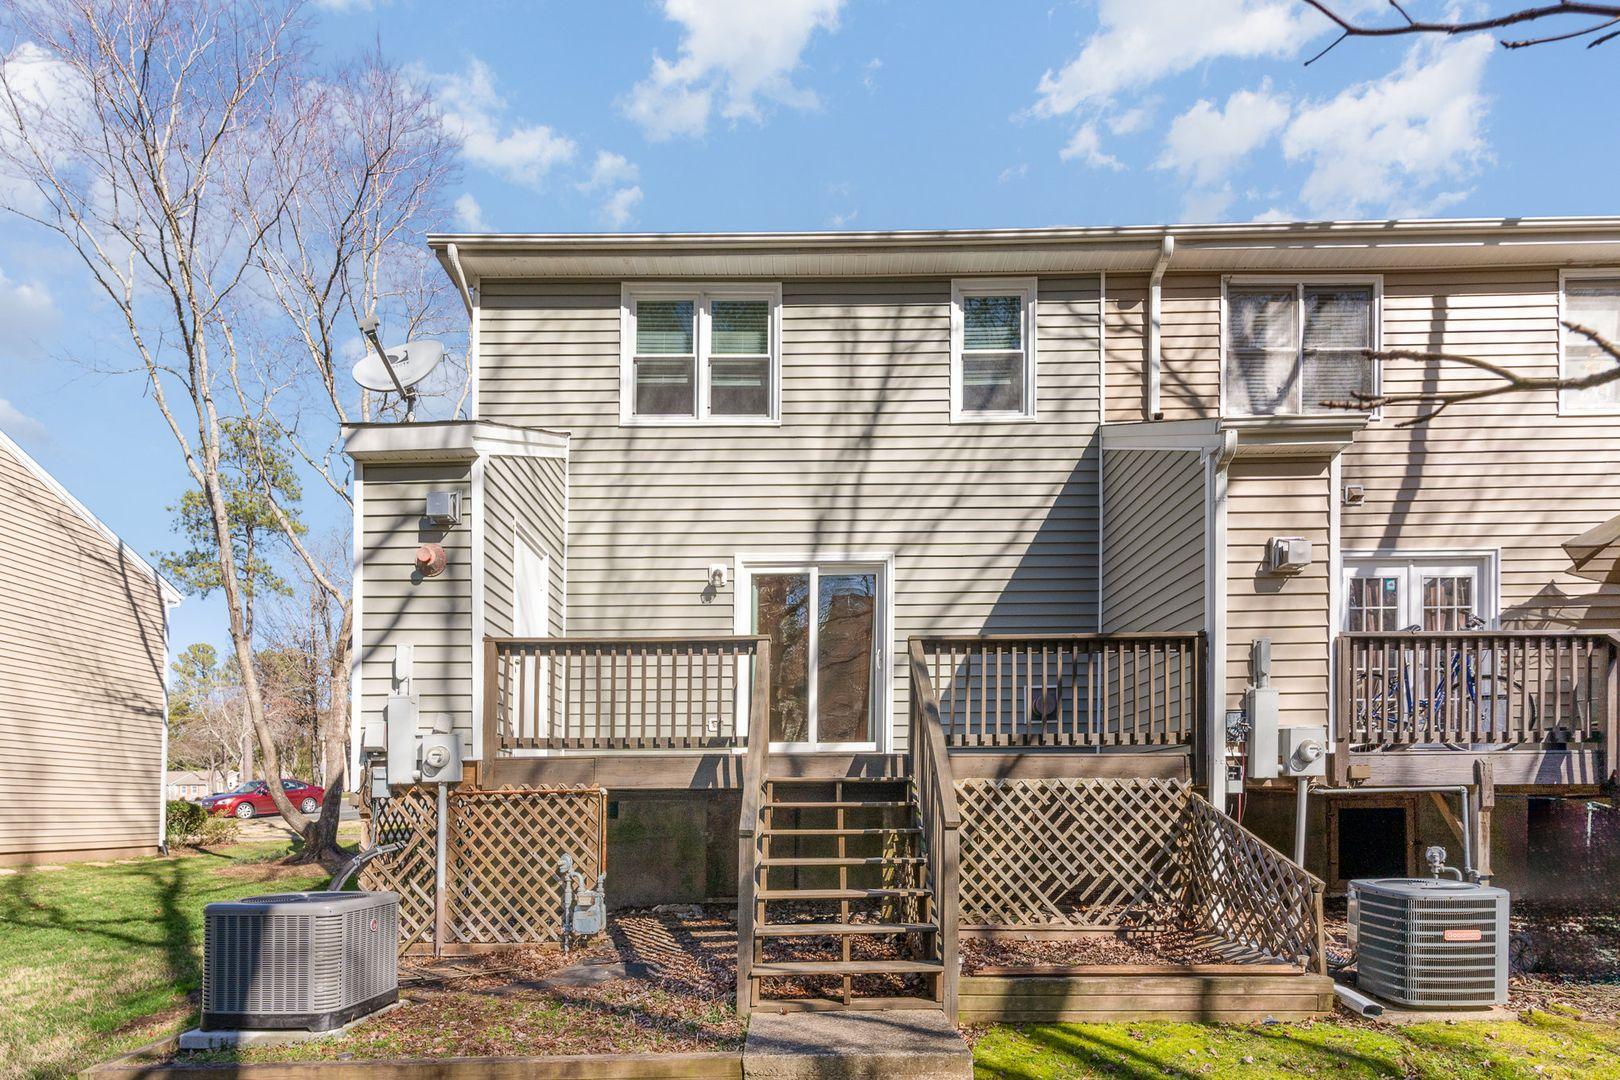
{"points": [[993, 526], [398, 605], [82, 667], [1153, 540], [527, 496]]}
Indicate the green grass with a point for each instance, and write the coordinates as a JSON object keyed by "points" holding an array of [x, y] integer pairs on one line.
{"points": [[1542, 1046], [95, 960]]}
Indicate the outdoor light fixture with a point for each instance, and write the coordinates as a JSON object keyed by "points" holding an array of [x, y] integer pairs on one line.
{"points": [[717, 576]]}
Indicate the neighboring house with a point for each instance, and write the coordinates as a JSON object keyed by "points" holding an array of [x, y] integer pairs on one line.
{"points": [[887, 452], [83, 661], [191, 786]]}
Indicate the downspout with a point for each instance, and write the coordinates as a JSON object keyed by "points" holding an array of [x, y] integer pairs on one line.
{"points": [[1215, 620], [459, 276], [1150, 377]]}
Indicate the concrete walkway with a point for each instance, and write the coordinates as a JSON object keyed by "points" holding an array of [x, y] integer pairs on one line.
{"points": [[916, 1044]]}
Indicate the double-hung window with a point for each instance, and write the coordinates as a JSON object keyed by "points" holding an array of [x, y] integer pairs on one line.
{"points": [[1292, 347], [694, 354], [993, 349], [1592, 302]]}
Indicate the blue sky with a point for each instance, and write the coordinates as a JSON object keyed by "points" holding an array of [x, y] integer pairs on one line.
{"points": [[883, 114]]}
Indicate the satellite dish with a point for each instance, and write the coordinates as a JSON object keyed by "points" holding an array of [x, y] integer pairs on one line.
{"points": [[411, 363]]}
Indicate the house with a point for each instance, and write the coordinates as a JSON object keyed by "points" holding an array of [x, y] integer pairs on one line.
{"points": [[988, 505], [83, 663], [191, 785]]}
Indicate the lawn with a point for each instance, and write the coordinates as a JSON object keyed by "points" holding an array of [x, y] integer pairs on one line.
{"points": [[1542, 1046], [95, 960]]}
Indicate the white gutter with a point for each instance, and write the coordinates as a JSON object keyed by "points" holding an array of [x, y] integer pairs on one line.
{"points": [[459, 276], [1150, 376]]}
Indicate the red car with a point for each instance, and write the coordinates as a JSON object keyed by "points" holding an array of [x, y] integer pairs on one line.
{"points": [[252, 798]]}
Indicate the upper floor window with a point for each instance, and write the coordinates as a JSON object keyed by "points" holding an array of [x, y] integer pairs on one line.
{"points": [[1592, 302], [1292, 346], [993, 349], [700, 353]]}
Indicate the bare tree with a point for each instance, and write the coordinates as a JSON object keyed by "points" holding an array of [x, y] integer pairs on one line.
{"points": [[368, 179], [138, 129], [1595, 19]]}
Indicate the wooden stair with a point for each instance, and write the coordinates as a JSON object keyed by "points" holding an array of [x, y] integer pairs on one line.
{"points": [[842, 916]]}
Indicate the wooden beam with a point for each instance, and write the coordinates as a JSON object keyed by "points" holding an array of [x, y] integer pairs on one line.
{"points": [[1485, 782], [1446, 815], [1552, 769]]}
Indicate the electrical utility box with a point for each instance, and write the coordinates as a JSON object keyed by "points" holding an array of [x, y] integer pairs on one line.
{"points": [[1260, 705], [1302, 751]]}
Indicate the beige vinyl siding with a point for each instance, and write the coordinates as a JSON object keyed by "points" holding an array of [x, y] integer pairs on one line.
{"points": [[1153, 540], [1503, 473], [1266, 498], [992, 526], [527, 495], [398, 605], [1189, 347], [1125, 311], [82, 665]]}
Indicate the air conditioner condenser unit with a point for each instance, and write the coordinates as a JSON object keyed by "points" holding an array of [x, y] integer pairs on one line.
{"points": [[1430, 942], [312, 961]]}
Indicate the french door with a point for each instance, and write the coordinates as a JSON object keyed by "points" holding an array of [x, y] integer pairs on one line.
{"points": [[826, 624], [1431, 593]]}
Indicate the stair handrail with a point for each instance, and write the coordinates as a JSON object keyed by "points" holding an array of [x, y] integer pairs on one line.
{"points": [[753, 789], [941, 819]]}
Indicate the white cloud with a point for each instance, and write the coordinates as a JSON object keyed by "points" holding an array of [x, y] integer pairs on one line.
{"points": [[734, 55], [1014, 172], [469, 215], [1141, 41], [1406, 133], [1202, 205], [21, 426], [838, 221], [28, 312], [1206, 142], [869, 73], [609, 169], [1086, 145], [620, 206], [1133, 119], [55, 107], [474, 113]]}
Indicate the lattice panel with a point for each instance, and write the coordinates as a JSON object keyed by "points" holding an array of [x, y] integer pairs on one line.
{"points": [[1073, 853], [503, 852], [1247, 893], [409, 817]]}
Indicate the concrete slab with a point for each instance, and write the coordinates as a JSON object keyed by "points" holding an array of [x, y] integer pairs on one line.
{"points": [[917, 1044], [198, 1039]]}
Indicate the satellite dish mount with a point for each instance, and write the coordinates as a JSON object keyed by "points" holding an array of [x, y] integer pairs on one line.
{"points": [[398, 368]]}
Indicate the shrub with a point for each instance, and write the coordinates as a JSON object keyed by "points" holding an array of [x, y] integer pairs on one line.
{"points": [[217, 831], [184, 821]]}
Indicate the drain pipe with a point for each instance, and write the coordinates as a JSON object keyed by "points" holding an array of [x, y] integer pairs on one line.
{"points": [[1304, 792], [1150, 380], [1356, 1001]]}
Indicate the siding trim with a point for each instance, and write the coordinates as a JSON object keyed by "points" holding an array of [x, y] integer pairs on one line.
{"points": [[1028, 288], [356, 626], [476, 527], [1215, 571]]}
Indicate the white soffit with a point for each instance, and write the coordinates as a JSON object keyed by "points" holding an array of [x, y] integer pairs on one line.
{"points": [[1209, 248], [449, 440]]}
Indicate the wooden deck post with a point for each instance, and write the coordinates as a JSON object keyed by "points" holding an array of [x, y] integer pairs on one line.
{"points": [[1611, 719], [1343, 712], [1486, 785]]}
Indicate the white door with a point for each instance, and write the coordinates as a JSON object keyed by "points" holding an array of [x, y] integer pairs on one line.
{"points": [[531, 618], [827, 626]]}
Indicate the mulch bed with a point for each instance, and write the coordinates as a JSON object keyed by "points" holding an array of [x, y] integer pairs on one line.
{"points": [[1157, 949]]}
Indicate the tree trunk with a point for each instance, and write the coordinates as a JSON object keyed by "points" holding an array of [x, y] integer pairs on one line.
{"points": [[320, 833]]}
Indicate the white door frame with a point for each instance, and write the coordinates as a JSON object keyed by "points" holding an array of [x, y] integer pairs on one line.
{"points": [[746, 564], [532, 598]]}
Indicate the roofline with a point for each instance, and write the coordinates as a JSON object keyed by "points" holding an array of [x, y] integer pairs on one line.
{"points": [[449, 440], [1268, 231], [171, 594]]}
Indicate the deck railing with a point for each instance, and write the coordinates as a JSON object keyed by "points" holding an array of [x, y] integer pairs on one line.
{"points": [[1483, 687], [941, 819], [615, 693], [1078, 690]]}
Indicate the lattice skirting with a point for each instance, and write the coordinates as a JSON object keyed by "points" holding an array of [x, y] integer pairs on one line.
{"points": [[501, 858], [1070, 853]]}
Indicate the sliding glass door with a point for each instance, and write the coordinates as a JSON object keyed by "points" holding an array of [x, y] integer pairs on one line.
{"points": [[825, 622]]}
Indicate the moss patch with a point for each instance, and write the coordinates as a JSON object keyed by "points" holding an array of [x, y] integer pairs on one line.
{"points": [[1542, 1045]]}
